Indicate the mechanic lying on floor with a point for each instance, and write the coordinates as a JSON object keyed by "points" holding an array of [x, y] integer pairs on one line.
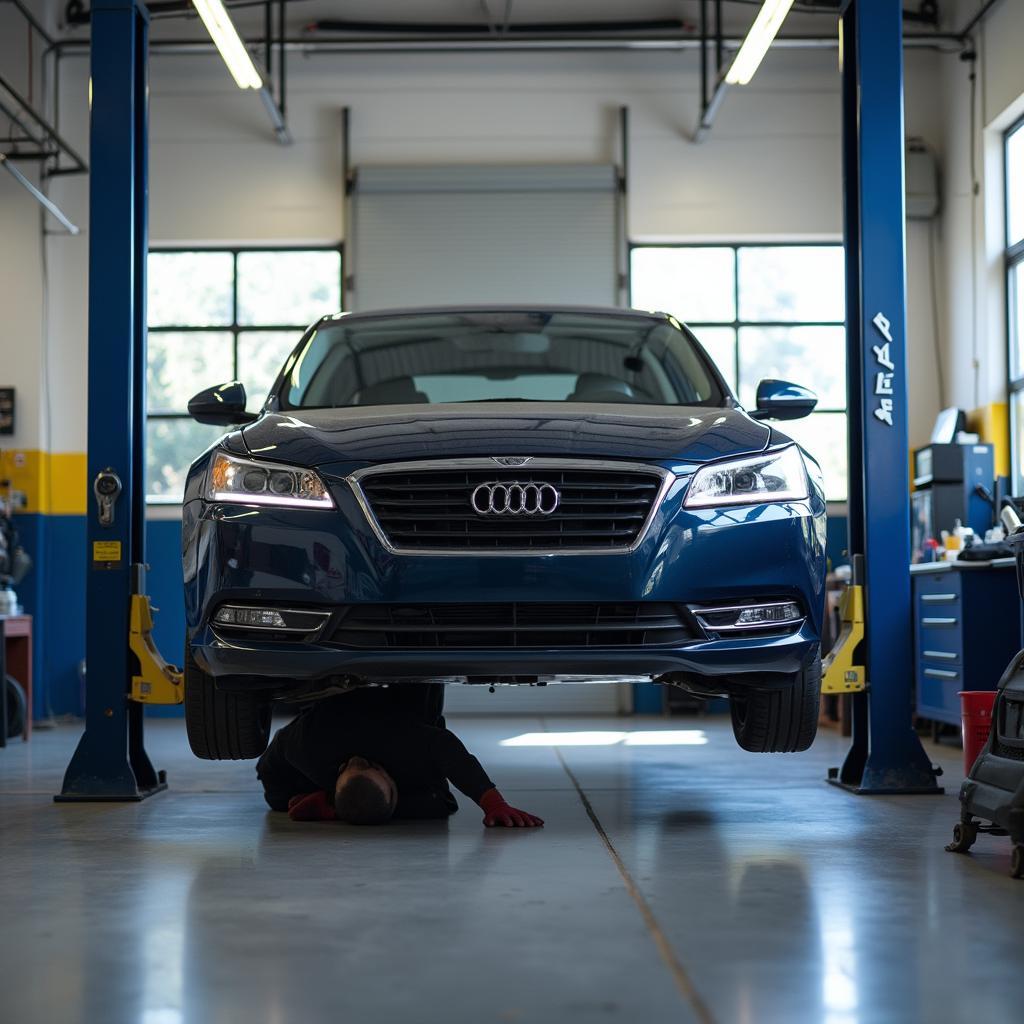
{"points": [[375, 753]]}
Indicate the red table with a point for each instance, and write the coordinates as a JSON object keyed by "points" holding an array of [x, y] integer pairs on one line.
{"points": [[17, 634]]}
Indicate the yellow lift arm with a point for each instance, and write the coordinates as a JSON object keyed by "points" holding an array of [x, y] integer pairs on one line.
{"points": [[157, 682], [839, 672]]}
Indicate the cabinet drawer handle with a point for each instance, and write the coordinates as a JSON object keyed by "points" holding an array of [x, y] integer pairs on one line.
{"points": [[941, 673], [944, 655], [939, 598]]}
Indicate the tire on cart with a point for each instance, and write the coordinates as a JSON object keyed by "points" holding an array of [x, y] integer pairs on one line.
{"points": [[964, 836], [17, 709]]}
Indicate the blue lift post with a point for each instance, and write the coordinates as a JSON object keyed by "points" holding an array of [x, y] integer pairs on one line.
{"points": [[110, 762], [886, 756]]}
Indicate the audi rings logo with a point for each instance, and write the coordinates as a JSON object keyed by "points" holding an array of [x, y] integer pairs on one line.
{"points": [[515, 499]]}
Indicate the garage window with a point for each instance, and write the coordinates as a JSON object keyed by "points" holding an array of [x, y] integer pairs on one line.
{"points": [[217, 315], [1015, 292], [763, 311]]}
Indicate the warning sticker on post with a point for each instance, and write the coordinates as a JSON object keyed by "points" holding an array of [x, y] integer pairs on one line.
{"points": [[106, 554]]}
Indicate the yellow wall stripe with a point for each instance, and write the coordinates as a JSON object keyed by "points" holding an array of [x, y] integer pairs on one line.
{"points": [[992, 424], [53, 483]]}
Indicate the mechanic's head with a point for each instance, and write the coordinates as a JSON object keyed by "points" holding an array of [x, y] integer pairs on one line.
{"points": [[364, 794]]}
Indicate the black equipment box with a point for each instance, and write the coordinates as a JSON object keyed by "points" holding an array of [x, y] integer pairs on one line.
{"points": [[953, 464], [946, 482]]}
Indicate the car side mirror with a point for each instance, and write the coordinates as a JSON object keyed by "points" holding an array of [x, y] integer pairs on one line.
{"points": [[781, 400], [221, 406]]}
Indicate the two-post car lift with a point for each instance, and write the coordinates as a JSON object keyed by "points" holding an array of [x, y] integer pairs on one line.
{"points": [[124, 670]]}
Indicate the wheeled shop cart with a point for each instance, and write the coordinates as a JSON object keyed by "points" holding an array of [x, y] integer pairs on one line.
{"points": [[992, 795]]}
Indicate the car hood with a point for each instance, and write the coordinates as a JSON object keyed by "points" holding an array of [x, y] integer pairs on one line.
{"points": [[320, 437]]}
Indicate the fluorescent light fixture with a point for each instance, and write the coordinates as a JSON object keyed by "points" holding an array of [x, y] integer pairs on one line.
{"points": [[647, 738], [232, 49], [764, 30]]}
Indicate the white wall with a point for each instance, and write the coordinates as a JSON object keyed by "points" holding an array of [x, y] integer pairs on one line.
{"points": [[21, 322], [21, 325], [973, 234], [923, 117], [770, 169], [210, 141]]}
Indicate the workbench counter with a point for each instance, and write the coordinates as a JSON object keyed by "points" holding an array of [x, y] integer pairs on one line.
{"points": [[967, 627]]}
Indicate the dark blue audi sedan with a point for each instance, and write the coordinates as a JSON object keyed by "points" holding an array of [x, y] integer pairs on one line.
{"points": [[502, 495]]}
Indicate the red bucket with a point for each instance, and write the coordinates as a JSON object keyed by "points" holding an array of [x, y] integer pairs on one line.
{"points": [[976, 711]]}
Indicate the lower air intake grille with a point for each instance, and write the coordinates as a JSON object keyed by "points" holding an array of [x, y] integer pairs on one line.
{"points": [[514, 625], [426, 509]]}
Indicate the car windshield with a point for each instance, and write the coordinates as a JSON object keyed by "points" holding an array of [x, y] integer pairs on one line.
{"points": [[477, 356]]}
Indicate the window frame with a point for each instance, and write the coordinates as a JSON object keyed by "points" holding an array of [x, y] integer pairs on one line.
{"points": [[234, 328], [1013, 257], [737, 323]]}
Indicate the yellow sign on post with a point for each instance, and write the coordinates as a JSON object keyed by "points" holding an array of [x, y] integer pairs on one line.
{"points": [[106, 553]]}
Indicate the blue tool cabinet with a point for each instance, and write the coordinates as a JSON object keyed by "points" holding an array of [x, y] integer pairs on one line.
{"points": [[967, 626]]}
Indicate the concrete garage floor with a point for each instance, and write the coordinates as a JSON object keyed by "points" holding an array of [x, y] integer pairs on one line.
{"points": [[672, 883]]}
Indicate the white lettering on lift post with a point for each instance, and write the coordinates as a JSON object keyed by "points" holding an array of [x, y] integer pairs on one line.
{"points": [[886, 375]]}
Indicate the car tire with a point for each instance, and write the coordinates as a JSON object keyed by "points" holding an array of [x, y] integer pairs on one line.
{"points": [[17, 709], [223, 726], [782, 719]]}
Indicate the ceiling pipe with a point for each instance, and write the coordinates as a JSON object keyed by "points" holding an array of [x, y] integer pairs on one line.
{"points": [[541, 28], [44, 201], [976, 20], [37, 131], [313, 48]]}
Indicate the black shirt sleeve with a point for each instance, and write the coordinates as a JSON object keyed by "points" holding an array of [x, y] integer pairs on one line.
{"points": [[318, 746], [281, 779], [309, 749], [456, 763]]}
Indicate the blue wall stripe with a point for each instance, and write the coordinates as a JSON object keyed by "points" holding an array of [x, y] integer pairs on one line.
{"points": [[53, 593]]}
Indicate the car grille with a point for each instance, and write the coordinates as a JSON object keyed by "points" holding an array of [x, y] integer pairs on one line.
{"points": [[511, 625], [431, 509]]}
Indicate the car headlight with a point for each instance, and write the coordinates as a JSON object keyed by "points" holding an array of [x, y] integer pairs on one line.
{"points": [[773, 476], [264, 483]]}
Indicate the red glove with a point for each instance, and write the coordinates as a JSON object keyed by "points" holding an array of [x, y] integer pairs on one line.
{"points": [[497, 811], [311, 807]]}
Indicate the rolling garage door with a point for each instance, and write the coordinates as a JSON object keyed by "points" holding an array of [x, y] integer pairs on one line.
{"points": [[428, 236]]}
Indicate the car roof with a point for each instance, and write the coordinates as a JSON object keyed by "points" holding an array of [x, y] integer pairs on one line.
{"points": [[631, 314]]}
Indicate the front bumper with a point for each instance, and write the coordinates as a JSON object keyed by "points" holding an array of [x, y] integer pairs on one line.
{"points": [[314, 558], [251, 662]]}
